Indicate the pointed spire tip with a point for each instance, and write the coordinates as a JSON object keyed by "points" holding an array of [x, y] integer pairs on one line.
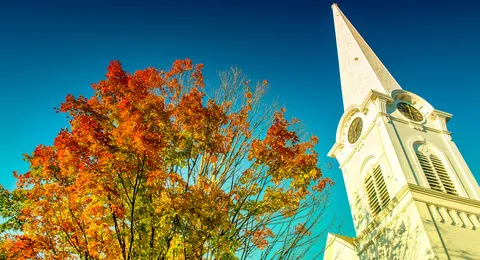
{"points": [[358, 78]]}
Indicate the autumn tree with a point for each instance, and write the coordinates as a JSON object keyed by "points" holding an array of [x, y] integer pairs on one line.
{"points": [[151, 167]]}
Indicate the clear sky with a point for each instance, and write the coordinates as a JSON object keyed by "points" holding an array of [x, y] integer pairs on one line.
{"points": [[51, 48]]}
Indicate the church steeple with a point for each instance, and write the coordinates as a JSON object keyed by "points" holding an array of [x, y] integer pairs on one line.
{"points": [[360, 69], [411, 193]]}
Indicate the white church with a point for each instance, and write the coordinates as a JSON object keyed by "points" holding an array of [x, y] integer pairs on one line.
{"points": [[411, 194]]}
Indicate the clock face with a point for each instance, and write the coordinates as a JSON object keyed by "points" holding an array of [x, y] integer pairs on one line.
{"points": [[355, 130], [410, 112]]}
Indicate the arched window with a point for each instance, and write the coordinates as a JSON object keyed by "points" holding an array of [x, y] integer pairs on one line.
{"points": [[376, 189], [435, 172]]}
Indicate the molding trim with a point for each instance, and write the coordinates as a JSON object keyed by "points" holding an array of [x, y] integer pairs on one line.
{"points": [[425, 128], [441, 195], [339, 146], [443, 114]]}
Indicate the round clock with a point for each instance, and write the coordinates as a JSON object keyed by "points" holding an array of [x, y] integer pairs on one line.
{"points": [[410, 112], [355, 130]]}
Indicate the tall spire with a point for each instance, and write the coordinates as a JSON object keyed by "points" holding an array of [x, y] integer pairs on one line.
{"points": [[360, 69]]}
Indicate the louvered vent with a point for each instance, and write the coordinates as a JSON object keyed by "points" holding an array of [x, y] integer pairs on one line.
{"points": [[381, 187], [436, 173], [377, 193], [372, 195], [443, 175], [429, 172]]}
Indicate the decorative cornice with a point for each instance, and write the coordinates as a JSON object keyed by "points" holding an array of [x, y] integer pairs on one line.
{"points": [[335, 149], [437, 112], [372, 96], [425, 128], [441, 195]]}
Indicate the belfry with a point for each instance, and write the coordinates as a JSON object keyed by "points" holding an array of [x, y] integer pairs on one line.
{"points": [[411, 193]]}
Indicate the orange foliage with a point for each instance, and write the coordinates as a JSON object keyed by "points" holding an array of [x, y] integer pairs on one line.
{"points": [[149, 168]]}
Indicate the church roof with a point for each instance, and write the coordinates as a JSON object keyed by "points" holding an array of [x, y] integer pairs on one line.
{"points": [[360, 69], [350, 240]]}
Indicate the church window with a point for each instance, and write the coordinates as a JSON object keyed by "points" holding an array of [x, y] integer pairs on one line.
{"points": [[377, 193], [436, 173]]}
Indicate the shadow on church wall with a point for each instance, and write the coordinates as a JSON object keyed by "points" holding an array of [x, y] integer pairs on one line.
{"points": [[400, 238]]}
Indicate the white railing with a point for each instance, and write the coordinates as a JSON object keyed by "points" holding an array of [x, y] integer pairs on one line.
{"points": [[455, 217]]}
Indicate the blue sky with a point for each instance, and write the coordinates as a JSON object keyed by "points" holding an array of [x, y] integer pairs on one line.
{"points": [[51, 48]]}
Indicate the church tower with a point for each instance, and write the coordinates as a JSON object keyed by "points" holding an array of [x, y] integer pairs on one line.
{"points": [[411, 193]]}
